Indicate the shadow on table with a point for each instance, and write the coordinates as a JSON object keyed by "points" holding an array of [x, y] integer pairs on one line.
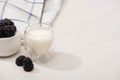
{"points": [[57, 61], [63, 61]]}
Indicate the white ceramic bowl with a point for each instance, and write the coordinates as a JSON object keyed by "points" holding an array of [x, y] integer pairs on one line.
{"points": [[9, 46]]}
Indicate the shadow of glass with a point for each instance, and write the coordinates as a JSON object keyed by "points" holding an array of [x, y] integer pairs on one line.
{"points": [[62, 61]]}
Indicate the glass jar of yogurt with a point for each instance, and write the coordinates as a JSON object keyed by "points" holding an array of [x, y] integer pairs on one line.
{"points": [[38, 41]]}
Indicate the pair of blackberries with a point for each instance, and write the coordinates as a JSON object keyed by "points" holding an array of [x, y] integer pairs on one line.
{"points": [[26, 62], [7, 28]]}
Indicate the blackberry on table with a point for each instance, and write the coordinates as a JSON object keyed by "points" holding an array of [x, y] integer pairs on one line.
{"points": [[19, 60], [28, 67], [27, 60], [28, 64]]}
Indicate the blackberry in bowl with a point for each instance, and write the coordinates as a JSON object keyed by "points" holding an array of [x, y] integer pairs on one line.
{"points": [[7, 28], [9, 38]]}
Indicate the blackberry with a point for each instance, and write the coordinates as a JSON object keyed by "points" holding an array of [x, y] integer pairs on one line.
{"points": [[27, 60], [19, 60], [1, 33], [28, 64], [7, 28], [7, 22], [2, 24], [9, 31], [28, 67]]}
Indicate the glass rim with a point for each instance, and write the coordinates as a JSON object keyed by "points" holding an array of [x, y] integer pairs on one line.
{"points": [[36, 25], [42, 25]]}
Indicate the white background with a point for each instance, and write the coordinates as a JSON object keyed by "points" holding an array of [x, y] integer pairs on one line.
{"points": [[87, 45]]}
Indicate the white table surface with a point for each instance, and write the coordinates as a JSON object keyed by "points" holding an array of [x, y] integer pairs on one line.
{"points": [[87, 45]]}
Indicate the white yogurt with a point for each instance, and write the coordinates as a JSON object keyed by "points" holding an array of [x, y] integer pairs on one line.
{"points": [[39, 40]]}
